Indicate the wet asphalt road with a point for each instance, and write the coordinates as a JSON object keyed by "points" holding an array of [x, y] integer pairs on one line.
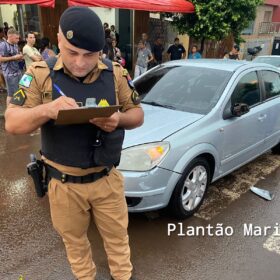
{"points": [[30, 247]]}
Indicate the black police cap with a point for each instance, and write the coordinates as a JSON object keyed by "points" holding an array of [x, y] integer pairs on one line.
{"points": [[83, 28]]}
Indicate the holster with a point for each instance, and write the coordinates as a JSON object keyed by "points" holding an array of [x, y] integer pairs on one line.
{"points": [[39, 175]]}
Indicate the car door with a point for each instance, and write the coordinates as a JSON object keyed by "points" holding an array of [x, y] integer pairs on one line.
{"points": [[271, 89], [243, 137]]}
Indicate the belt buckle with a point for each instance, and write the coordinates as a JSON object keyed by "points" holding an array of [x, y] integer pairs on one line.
{"points": [[63, 178]]}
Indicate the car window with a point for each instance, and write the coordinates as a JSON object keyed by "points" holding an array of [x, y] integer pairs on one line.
{"points": [[271, 84], [183, 88], [247, 90]]}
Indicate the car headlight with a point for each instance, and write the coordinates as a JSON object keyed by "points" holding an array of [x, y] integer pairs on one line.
{"points": [[143, 157]]}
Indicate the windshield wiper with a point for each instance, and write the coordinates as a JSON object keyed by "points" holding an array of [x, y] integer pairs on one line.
{"points": [[153, 103]]}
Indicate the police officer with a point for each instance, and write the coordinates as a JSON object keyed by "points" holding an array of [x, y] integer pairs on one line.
{"points": [[80, 159]]}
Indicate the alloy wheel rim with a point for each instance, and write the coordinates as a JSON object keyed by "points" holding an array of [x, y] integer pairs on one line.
{"points": [[194, 188]]}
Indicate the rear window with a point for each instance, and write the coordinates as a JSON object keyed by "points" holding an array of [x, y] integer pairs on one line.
{"points": [[183, 88]]}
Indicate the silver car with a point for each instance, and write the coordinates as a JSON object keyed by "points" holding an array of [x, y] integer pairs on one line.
{"points": [[269, 59], [203, 119]]}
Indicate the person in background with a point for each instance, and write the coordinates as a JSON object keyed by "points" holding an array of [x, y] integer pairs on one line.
{"points": [[176, 51], [45, 50], [233, 54], [194, 54], [146, 42], [30, 53], [105, 25], [144, 56], [9, 59], [6, 28], [157, 51], [115, 34], [2, 80]]}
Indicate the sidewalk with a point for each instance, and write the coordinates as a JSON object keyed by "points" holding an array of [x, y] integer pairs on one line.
{"points": [[3, 96]]}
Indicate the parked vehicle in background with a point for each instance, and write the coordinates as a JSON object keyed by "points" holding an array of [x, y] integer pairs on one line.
{"points": [[269, 59], [203, 119]]}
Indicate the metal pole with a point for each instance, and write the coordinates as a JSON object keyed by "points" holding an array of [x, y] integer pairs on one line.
{"points": [[20, 21]]}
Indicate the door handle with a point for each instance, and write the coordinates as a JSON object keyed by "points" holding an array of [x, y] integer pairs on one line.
{"points": [[262, 117]]}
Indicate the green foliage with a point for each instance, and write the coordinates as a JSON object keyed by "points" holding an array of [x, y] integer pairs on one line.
{"points": [[216, 19]]}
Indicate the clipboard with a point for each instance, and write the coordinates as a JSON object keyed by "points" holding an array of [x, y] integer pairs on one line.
{"points": [[84, 114]]}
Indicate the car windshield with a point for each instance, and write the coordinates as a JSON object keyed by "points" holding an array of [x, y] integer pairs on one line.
{"points": [[183, 88], [275, 61]]}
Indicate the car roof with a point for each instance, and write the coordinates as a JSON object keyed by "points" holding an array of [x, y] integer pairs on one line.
{"points": [[267, 56], [220, 64]]}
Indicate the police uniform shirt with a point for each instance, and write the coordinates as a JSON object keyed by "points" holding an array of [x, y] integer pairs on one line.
{"points": [[37, 88]]}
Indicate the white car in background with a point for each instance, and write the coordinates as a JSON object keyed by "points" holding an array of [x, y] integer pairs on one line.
{"points": [[269, 59]]}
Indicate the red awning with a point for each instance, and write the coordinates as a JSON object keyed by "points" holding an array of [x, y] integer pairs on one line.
{"points": [[43, 3], [173, 6]]}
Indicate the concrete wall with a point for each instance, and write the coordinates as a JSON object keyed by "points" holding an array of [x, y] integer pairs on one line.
{"points": [[106, 15], [260, 17], [266, 42]]}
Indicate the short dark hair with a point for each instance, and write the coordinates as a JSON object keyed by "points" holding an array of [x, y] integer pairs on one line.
{"points": [[176, 39], [44, 42], [27, 33], [236, 47], [194, 46]]}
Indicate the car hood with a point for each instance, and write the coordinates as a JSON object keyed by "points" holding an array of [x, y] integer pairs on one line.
{"points": [[159, 123]]}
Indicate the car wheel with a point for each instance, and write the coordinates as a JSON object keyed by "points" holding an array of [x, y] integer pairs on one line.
{"points": [[276, 149], [190, 191]]}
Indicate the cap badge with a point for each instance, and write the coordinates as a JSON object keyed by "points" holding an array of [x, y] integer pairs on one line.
{"points": [[69, 34]]}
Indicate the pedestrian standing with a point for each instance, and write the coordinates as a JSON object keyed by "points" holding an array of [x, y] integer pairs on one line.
{"points": [[176, 51], [144, 56], [194, 54], [233, 54], [81, 159], [45, 50], [30, 53], [146, 41], [157, 51], [9, 59]]}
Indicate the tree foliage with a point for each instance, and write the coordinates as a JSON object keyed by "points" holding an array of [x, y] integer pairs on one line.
{"points": [[216, 19]]}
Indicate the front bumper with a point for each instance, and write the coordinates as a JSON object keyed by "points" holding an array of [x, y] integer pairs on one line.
{"points": [[150, 190]]}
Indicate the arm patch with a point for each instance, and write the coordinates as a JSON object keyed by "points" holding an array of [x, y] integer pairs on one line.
{"points": [[135, 97], [18, 97]]}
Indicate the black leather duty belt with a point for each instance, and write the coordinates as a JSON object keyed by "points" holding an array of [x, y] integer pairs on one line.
{"points": [[89, 178]]}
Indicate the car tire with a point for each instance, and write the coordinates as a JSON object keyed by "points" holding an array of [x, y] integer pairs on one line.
{"points": [[276, 149], [189, 192]]}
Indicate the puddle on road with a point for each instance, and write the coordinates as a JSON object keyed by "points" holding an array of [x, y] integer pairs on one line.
{"points": [[228, 189]]}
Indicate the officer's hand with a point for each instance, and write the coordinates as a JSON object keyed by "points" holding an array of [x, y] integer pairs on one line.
{"points": [[107, 124], [61, 103]]}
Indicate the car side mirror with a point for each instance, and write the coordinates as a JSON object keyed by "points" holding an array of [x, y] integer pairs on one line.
{"points": [[236, 110], [239, 109]]}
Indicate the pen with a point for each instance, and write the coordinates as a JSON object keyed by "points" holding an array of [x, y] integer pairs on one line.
{"points": [[59, 90]]}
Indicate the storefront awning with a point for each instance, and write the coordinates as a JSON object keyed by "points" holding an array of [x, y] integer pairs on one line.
{"points": [[172, 6], [43, 3]]}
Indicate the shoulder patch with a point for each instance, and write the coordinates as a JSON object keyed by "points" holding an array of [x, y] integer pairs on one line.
{"points": [[18, 97], [26, 80], [116, 64], [127, 76], [125, 72], [135, 97]]}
